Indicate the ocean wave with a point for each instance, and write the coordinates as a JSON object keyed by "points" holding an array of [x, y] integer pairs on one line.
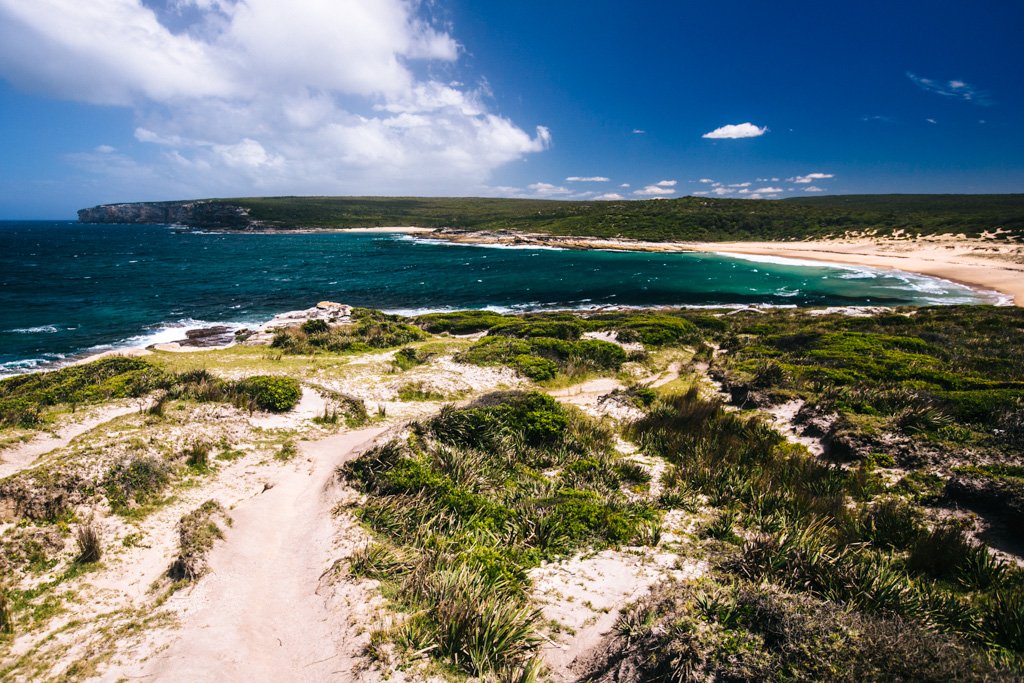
{"points": [[42, 329]]}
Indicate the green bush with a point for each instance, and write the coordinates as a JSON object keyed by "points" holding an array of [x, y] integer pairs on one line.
{"points": [[460, 322], [537, 369], [24, 397], [269, 392], [315, 327], [657, 330], [569, 330], [135, 481]]}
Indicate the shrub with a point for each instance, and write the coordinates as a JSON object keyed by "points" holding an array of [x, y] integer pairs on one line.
{"points": [[287, 452], [90, 549], [407, 358], [197, 532], [460, 322], [723, 631], [315, 327], [23, 398], [135, 481], [569, 330], [6, 618], [537, 369], [892, 523], [269, 392], [657, 330], [197, 456], [941, 552]]}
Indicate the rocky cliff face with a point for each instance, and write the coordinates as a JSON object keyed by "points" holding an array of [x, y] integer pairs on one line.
{"points": [[199, 214]]}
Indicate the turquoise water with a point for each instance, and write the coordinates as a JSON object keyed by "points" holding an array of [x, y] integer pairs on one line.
{"points": [[67, 288]]}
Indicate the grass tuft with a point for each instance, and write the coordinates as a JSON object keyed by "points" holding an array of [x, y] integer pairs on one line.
{"points": [[90, 547]]}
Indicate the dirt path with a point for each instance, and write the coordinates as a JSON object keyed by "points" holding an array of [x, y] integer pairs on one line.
{"points": [[13, 460], [257, 616]]}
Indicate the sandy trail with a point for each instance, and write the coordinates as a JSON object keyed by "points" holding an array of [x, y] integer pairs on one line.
{"points": [[257, 616], [15, 459]]}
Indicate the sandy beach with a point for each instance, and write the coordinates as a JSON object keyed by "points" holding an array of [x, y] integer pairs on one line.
{"points": [[985, 263]]}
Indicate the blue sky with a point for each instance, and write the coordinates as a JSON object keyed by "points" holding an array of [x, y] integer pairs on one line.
{"points": [[130, 100]]}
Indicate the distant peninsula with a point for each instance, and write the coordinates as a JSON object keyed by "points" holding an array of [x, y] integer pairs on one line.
{"points": [[685, 219]]}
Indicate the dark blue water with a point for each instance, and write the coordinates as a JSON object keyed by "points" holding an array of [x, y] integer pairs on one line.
{"points": [[67, 288]]}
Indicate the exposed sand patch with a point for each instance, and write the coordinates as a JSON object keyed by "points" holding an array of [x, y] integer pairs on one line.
{"points": [[585, 594], [13, 460], [782, 418], [259, 616]]}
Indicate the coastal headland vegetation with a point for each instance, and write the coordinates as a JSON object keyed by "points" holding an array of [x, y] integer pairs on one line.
{"points": [[701, 219], [670, 494]]}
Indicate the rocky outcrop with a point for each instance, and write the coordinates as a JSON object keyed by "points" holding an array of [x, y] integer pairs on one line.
{"points": [[197, 214]]}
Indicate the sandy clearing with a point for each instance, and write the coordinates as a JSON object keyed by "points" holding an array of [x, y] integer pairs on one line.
{"points": [[13, 460], [782, 418], [257, 616]]}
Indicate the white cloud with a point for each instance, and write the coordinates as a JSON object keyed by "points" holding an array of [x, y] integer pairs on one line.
{"points": [[610, 196], [931, 120], [587, 179], [658, 190], [706, 180], [547, 189], [624, 185], [305, 97], [768, 190], [740, 184], [667, 183], [810, 177], [637, 131], [812, 188], [105, 149], [735, 131], [956, 89]]}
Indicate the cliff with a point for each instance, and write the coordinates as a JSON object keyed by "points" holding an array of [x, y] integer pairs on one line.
{"points": [[199, 214]]}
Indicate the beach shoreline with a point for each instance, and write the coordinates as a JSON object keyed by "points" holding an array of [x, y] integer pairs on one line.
{"points": [[984, 264]]}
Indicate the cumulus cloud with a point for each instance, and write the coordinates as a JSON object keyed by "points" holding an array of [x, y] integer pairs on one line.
{"points": [[610, 196], [587, 179], [735, 131], [307, 97], [810, 177], [956, 89], [547, 189], [767, 190], [813, 188], [638, 131], [658, 190], [666, 183]]}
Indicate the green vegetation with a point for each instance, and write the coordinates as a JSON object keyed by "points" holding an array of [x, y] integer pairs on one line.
{"points": [[197, 532], [24, 397], [726, 629], [267, 392], [686, 218], [134, 482], [371, 330], [541, 358], [460, 322], [6, 620], [469, 502], [811, 527]]}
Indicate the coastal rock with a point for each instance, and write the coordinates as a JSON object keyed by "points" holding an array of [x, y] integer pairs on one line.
{"points": [[200, 214], [330, 312]]}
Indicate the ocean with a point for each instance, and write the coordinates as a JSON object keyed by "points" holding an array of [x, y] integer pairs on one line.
{"points": [[67, 289]]}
